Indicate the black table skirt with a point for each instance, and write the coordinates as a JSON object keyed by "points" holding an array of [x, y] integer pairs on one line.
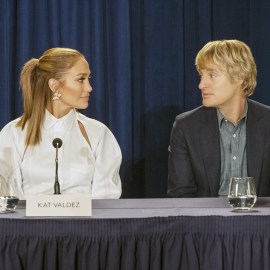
{"points": [[180, 242]]}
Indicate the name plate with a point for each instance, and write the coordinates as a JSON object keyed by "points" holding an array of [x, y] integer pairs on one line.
{"points": [[59, 205]]}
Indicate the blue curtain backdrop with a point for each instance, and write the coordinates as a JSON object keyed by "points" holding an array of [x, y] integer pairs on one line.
{"points": [[141, 53]]}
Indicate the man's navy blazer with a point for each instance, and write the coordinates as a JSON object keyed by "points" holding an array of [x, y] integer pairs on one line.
{"points": [[194, 152]]}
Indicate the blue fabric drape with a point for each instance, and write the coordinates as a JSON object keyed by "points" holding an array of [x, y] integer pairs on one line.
{"points": [[141, 54], [173, 243]]}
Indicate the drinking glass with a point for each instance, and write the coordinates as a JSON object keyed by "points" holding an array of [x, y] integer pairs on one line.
{"points": [[8, 198], [242, 193]]}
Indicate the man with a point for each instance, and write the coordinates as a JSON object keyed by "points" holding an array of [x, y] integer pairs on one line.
{"points": [[229, 135]]}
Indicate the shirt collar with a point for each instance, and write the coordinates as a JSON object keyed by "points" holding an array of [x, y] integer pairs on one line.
{"points": [[50, 121], [221, 118]]}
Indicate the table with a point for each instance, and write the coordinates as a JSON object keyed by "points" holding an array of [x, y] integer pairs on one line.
{"points": [[193, 233]]}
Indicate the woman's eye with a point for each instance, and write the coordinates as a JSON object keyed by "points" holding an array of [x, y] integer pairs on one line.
{"points": [[81, 79]]}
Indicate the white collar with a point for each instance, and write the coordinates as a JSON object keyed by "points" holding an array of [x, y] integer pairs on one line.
{"points": [[65, 122]]}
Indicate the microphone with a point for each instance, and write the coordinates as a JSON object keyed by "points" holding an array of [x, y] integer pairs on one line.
{"points": [[57, 143]]}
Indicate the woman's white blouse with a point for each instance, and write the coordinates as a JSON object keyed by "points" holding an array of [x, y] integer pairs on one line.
{"points": [[82, 168]]}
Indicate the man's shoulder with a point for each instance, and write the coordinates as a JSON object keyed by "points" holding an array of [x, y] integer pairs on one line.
{"points": [[196, 114], [258, 109], [256, 104]]}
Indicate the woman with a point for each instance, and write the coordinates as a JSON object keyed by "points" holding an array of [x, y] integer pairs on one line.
{"points": [[53, 87]]}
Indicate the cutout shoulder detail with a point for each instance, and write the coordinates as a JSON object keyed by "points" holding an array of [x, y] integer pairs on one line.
{"points": [[83, 131]]}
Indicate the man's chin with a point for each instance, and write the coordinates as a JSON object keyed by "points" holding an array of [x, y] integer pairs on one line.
{"points": [[205, 104], [208, 104]]}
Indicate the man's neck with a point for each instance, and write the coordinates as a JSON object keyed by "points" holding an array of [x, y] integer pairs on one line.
{"points": [[234, 113]]}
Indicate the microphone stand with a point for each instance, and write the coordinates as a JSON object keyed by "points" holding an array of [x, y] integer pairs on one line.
{"points": [[56, 183], [57, 143]]}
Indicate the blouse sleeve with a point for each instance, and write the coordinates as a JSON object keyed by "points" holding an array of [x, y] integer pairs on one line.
{"points": [[106, 180], [10, 174]]}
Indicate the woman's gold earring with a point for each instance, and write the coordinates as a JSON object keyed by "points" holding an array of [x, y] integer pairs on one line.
{"points": [[56, 95]]}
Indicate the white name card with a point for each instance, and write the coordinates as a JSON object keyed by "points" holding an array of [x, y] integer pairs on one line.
{"points": [[59, 205]]}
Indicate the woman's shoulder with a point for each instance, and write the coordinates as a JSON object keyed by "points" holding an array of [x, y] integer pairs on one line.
{"points": [[94, 128], [12, 135], [97, 131], [90, 122], [11, 127]]}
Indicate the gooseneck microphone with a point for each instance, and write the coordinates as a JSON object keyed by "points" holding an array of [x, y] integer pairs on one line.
{"points": [[57, 143]]}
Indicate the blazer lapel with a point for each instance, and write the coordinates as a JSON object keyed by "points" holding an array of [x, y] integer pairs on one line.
{"points": [[208, 136], [255, 136]]}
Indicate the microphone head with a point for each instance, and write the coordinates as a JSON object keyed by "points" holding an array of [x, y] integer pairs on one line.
{"points": [[57, 143]]}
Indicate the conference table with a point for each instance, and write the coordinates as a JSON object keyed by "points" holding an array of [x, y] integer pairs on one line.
{"points": [[192, 233]]}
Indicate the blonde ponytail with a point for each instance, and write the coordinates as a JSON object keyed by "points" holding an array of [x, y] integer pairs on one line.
{"points": [[37, 95]]}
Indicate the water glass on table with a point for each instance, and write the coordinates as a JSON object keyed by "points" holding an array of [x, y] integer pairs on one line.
{"points": [[8, 198], [242, 193]]}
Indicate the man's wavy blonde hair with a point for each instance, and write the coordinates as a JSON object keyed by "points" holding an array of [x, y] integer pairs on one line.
{"points": [[234, 58]]}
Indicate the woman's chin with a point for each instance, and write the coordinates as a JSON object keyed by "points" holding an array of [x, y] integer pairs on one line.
{"points": [[83, 106]]}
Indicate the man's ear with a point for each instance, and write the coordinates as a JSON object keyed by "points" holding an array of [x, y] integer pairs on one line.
{"points": [[53, 84]]}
